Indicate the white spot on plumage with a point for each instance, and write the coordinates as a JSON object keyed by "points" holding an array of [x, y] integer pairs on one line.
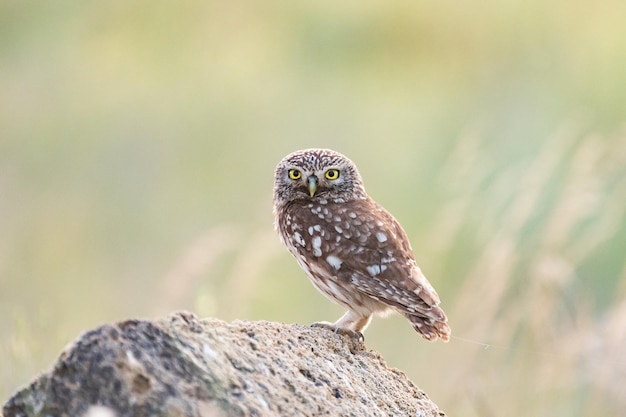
{"points": [[373, 270], [317, 228], [352, 215], [311, 230], [296, 226], [381, 237], [297, 237], [338, 229], [334, 261], [317, 246]]}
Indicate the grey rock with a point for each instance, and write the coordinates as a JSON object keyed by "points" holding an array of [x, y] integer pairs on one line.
{"points": [[185, 366]]}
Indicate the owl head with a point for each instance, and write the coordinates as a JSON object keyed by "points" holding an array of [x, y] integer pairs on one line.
{"points": [[317, 175]]}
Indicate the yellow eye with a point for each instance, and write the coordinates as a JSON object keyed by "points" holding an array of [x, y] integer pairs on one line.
{"points": [[295, 174], [332, 174]]}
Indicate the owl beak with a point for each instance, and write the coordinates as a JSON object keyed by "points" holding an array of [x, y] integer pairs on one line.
{"points": [[312, 184]]}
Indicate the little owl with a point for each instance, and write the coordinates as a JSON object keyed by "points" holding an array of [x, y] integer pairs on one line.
{"points": [[352, 249]]}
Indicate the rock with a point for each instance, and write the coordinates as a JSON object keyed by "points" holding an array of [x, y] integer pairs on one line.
{"points": [[184, 366]]}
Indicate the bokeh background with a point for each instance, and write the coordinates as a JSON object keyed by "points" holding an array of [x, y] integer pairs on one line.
{"points": [[138, 142]]}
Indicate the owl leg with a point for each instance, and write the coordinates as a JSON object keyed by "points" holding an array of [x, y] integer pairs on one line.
{"points": [[353, 321]]}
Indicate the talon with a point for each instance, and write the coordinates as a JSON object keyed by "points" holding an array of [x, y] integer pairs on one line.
{"points": [[325, 325], [339, 330]]}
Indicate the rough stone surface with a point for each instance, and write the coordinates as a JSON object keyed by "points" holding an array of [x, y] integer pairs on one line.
{"points": [[184, 366]]}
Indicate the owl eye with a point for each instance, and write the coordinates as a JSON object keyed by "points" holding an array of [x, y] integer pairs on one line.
{"points": [[295, 174], [332, 174]]}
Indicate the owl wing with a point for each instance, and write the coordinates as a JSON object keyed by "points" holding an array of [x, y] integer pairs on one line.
{"points": [[377, 258]]}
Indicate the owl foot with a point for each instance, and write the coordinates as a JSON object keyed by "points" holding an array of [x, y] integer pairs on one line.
{"points": [[339, 330]]}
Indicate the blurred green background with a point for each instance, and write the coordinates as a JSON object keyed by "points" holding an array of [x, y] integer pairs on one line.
{"points": [[137, 148]]}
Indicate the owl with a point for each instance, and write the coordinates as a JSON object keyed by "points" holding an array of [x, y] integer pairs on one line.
{"points": [[352, 249]]}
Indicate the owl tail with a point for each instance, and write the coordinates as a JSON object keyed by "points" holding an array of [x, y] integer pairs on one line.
{"points": [[431, 327]]}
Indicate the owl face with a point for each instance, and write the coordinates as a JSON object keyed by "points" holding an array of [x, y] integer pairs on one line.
{"points": [[317, 175]]}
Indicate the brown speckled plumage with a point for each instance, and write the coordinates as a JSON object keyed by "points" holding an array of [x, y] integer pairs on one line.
{"points": [[352, 249]]}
